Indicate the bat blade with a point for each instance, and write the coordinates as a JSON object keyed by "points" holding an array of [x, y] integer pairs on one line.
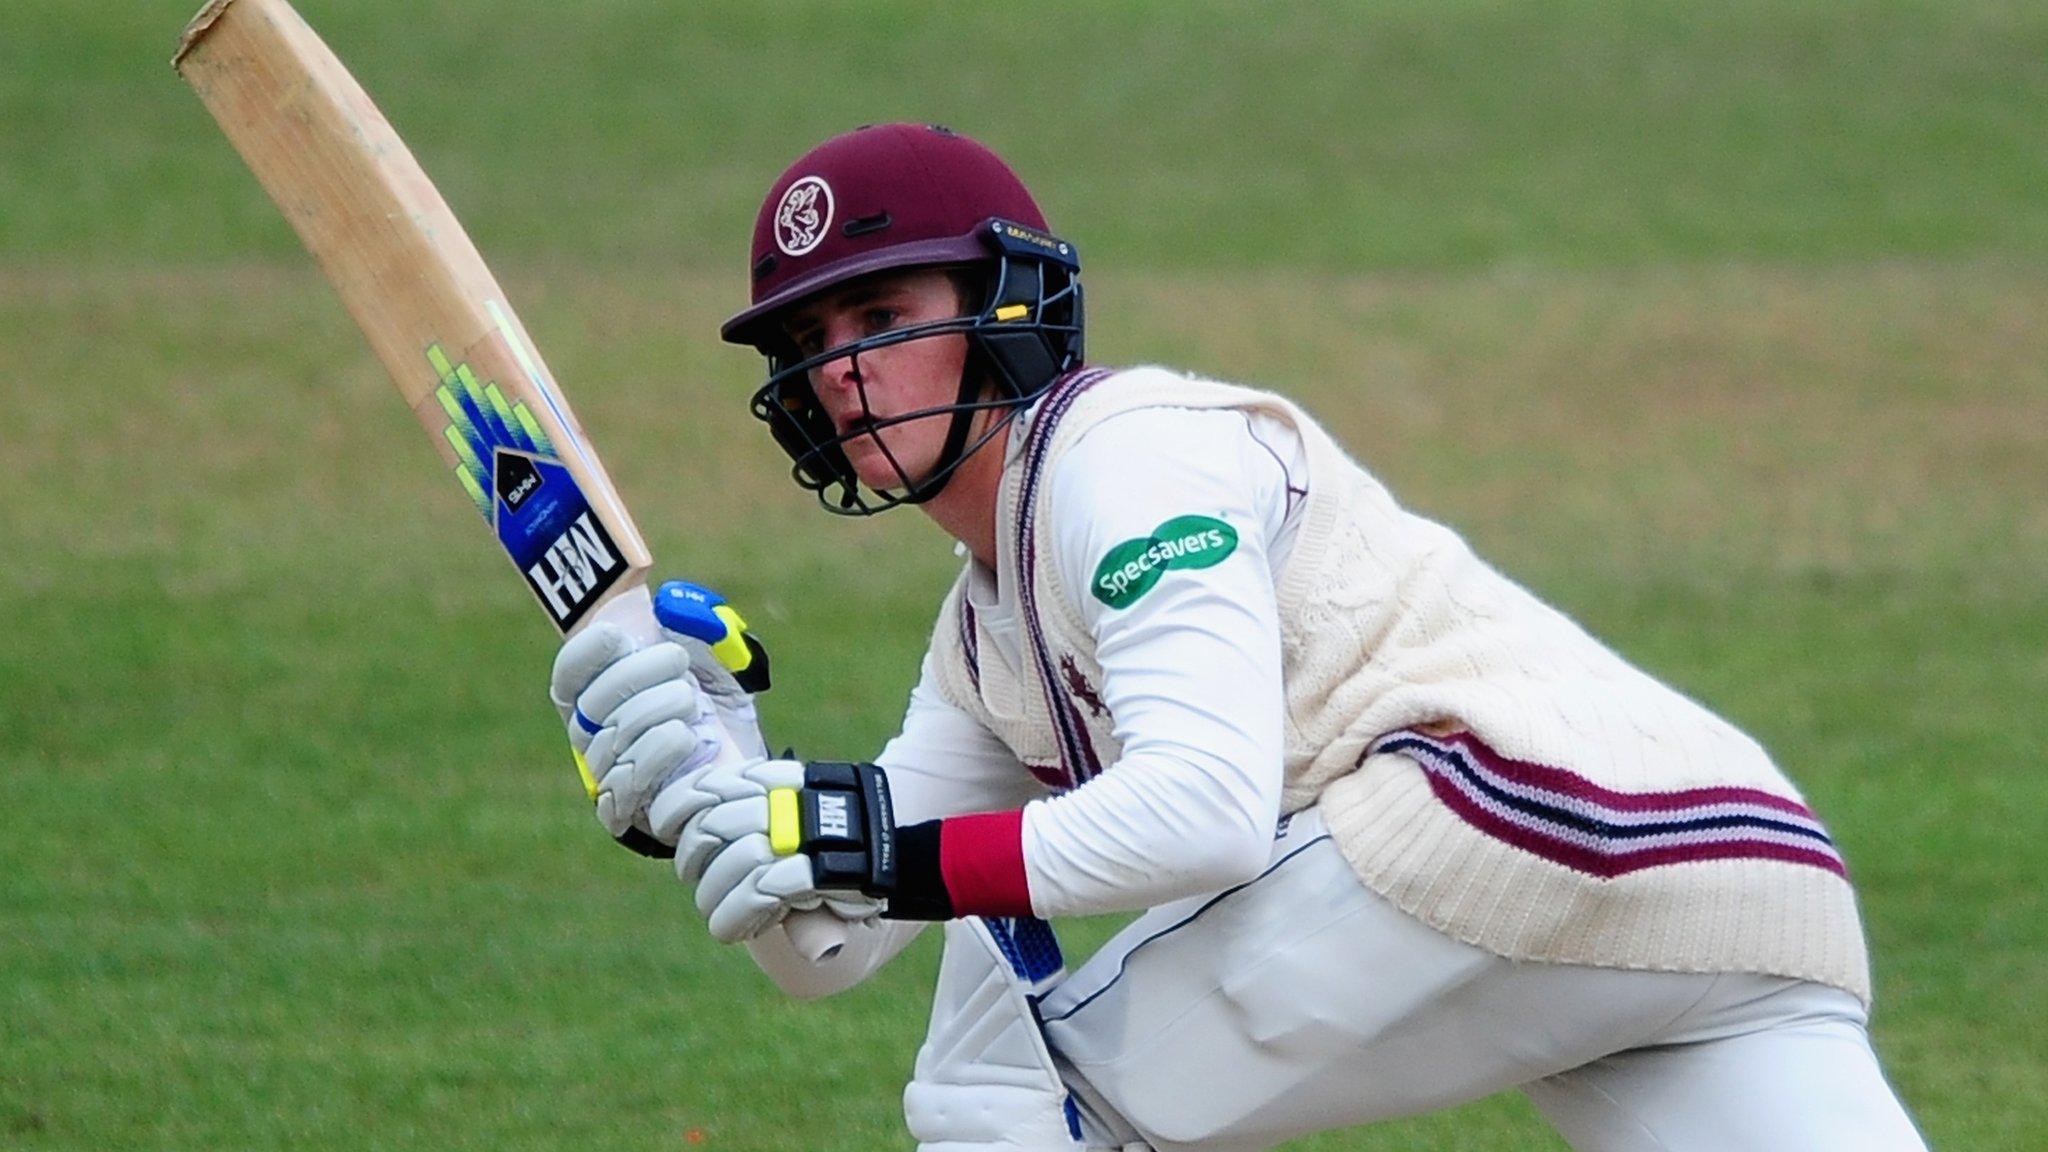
{"points": [[432, 311], [437, 319]]}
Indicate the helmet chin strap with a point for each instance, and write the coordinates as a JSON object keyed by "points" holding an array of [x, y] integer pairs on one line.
{"points": [[953, 453]]}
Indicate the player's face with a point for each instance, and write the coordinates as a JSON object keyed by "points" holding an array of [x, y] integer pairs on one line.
{"points": [[913, 376]]}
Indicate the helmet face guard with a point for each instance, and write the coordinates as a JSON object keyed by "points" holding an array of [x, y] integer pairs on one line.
{"points": [[1023, 333]]}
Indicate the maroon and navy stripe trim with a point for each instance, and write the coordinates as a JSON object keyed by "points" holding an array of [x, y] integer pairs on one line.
{"points": [[979, 859], [1567, 819], [1077, 752], [970, 639]]}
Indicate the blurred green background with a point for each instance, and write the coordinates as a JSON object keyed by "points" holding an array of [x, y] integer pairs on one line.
{"points": [[1721, 326]]}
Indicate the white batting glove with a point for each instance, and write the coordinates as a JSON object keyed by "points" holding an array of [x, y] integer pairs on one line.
{"points": [[722, 824], [637, 720]]}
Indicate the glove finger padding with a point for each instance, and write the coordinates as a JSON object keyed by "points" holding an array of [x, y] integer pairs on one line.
{"points": [[659, 756], [673, 700], [709, 833], [683, 801], [694, 848], [763, 895], [769, 774], [730, 897], [735, 820], [582, 657], [626, 678], [729, 869]]}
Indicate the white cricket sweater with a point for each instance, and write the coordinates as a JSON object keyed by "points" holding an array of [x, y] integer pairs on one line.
{"points": [[1483, 763]]}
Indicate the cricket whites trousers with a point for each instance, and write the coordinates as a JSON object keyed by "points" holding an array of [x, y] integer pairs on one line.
{"points": [[1302, 1001]]}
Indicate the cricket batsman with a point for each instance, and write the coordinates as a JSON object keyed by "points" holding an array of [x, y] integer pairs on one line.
{"points": [[1401, 834]]}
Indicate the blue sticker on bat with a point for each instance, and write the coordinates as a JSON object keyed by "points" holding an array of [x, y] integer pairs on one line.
{"points": [[548, 529], [508, 465]]}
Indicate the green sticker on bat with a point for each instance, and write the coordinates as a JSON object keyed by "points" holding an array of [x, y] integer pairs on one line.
{"points": [[1134, 566]]}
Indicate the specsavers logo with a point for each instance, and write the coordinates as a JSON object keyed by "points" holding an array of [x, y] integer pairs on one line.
{"points": [[1134, 566]]}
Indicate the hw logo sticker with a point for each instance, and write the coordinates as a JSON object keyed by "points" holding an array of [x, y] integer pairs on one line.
{"points": [[1134, 566]]}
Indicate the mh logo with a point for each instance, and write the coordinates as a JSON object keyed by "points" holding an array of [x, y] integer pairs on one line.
{"points": [[579, 565], [834, 818]]}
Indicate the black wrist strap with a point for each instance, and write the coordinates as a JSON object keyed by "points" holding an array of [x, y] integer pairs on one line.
{"points": [[850, 834], [920, 882], [848, 827]]}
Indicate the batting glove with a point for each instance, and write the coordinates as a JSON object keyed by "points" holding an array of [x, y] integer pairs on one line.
{"points": [[781, 835], [637, 720]]}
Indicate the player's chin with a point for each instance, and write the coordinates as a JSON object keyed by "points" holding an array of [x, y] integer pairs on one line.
{"points": [[886, 469]]}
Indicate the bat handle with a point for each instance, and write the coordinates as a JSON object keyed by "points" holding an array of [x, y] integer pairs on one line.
{"points": [[631, 607]]}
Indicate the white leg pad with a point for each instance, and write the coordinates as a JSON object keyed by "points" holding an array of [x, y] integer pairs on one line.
{"points": [[985, 1081]]}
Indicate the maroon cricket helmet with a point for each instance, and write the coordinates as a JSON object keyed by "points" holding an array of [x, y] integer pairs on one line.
{"points": [[880, 197], [900, 196]]}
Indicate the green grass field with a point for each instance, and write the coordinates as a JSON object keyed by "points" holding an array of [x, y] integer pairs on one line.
{"points": [[1727, 331]]}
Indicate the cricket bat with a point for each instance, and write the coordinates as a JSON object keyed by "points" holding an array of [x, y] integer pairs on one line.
{"points": [[436, 318]]}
